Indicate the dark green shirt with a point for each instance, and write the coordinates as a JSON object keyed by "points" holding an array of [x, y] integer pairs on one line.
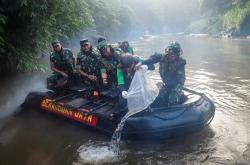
{"points": [[63, 60], [172, 73], [89, 62], [110, 65]]}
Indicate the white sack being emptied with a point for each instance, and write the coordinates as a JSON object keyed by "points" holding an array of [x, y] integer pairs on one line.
{"points": [[142, 91]]}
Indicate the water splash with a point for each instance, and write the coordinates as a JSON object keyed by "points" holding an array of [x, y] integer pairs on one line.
{"points": [[96, 154], [105, 153], [116, 137]]}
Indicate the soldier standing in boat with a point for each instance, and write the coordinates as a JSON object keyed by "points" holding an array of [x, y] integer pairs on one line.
{"points": [[62, 62], [172, 71]]}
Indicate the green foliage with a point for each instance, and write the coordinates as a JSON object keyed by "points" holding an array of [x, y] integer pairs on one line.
{"points": [[3, 19], [235, 18], [214, 7], [28, 26], [226, 16], [111, 18], [211, 25]]}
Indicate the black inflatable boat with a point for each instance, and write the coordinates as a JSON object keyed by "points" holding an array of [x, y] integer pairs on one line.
{"points": [[103, 113]]}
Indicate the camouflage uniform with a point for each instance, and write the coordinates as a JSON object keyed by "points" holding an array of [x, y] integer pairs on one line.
{"points": [[63, 61], [90, 64], [173, 77], [111, 65]]}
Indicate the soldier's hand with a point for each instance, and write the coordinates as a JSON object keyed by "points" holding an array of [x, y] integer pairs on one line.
{"points": [[64, 75], [138, 66]]}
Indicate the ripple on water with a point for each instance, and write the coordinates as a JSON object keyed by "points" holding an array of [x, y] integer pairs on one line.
{"points": [[231, 98], [230, 140]]}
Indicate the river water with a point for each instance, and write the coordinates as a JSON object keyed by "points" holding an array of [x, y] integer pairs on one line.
{"points": [[220, 68]]}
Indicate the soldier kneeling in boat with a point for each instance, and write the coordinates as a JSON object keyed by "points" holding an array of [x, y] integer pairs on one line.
{"points": [[62, 62], [172, 71]]}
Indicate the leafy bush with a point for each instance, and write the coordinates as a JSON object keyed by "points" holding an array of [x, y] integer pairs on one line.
{"points": [[235, 18], [28, 26], [226, 16]]}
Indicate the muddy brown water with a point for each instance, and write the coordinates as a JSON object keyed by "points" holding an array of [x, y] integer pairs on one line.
{"points": [[220, 68]]}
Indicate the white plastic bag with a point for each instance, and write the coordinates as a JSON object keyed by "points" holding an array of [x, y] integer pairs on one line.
{"points": [[142, 91]]}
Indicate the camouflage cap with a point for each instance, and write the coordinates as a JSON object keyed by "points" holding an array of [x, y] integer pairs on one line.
{"points": [[175, 47], [100, 39], [84, 42], [54, 42], [102, 43]]}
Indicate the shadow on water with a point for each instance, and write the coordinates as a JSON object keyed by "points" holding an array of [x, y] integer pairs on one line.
{"points": [[216, 67]]}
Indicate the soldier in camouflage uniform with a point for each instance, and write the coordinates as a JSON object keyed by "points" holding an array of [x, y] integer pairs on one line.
{"points": [[62, 64], [88, 65], [172, 71], [109, 62]]}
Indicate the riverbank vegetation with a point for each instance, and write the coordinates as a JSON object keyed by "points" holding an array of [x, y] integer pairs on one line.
{"points": [[237, 20], [223, 17], [28, 26]]}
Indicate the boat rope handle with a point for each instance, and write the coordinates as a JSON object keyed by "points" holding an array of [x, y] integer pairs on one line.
{"points": [[189, 90], [175, 117]]}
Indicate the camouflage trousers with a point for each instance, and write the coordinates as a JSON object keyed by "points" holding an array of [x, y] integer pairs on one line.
{"points": [[56, 81], [168, 96], [91, 86]]}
